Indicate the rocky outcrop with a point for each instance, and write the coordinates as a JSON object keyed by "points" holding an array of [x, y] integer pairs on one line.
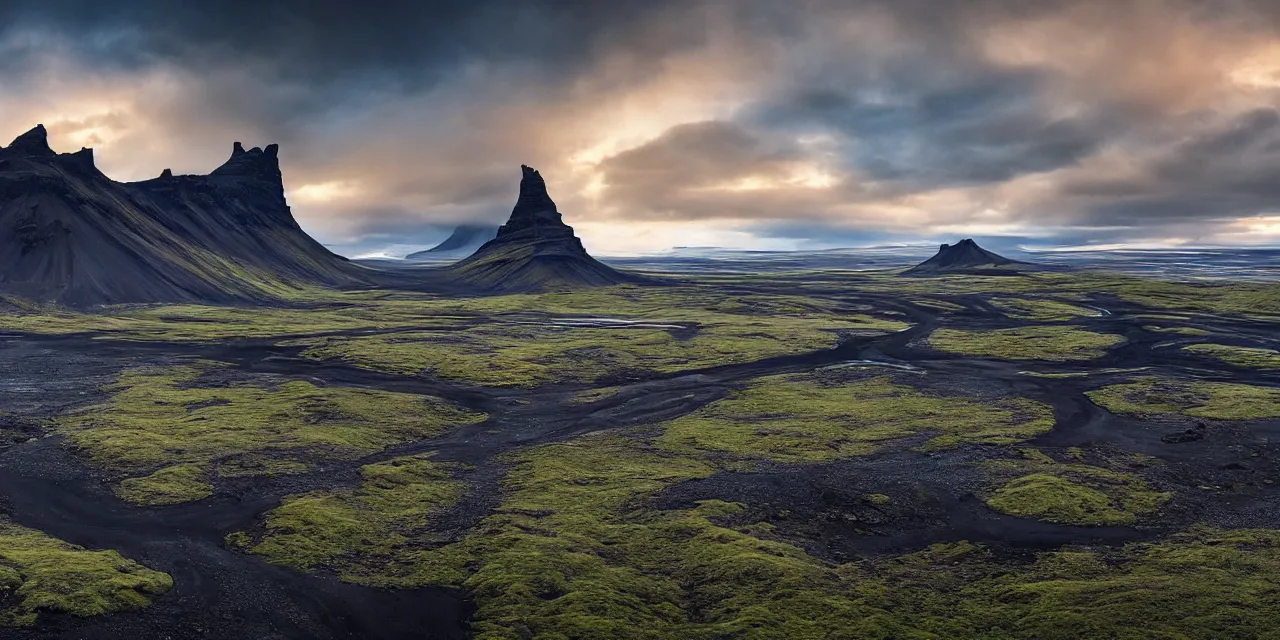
{"points": [[535, 250], [34, 143], [69, 234], [966, 257], [464, 240]]}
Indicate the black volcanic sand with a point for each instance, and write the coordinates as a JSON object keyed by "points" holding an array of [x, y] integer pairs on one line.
{"points": [[219, 593]]}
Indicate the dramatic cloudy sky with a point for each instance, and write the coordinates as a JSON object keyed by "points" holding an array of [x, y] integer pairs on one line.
{"points": [[740, 123]]}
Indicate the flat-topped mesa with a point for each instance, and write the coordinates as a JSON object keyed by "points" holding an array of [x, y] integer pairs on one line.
{"points": [[534, 210]]}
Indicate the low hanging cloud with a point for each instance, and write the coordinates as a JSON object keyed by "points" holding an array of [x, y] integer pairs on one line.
{"points": [[1091, 120]]}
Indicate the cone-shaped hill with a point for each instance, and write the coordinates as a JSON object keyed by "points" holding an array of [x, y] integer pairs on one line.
{"points": [[464, 241], [69, 234], [967, 257], [535, 250]]}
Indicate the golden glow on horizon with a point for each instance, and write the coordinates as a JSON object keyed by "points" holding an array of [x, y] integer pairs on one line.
{"points": [[1259, 71], [803, 176], [326, 191]]}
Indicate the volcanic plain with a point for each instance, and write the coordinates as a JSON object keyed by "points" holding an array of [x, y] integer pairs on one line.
{"points": [[829, 454]]}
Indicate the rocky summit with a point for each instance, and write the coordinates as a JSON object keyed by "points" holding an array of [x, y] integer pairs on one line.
{"points": [[535, 249], [70, 234], [966, 257]]}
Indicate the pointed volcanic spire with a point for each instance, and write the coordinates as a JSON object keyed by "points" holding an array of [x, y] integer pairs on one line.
{"points": [[32, 143], [534, 207], [535, 250]]}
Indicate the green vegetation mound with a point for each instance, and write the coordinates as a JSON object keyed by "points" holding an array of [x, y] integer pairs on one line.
{"points": [[42, 574], [803, 419], [1070, 493], [375, 534], [180, 432], [1214, 400], [1052, 343], [1251, 357]]}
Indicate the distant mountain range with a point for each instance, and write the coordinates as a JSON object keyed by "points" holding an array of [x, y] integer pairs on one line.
{"points": [[69, 234], [463, 242]]}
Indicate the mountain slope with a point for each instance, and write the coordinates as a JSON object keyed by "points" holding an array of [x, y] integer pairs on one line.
{"points": [[71, 235], [966, 257], [535, 250], [464, 241]]}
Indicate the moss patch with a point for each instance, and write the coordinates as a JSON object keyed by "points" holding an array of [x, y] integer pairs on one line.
{"points": [[1251, 357], [1203, 585], [1151, 396], [363, 535], [1073, 494], [1043, 309], [1184, 331], [800, 419], [162, 423], [1053, 343], [39, 573], [170, 485], [577, 551], [509, 354]]}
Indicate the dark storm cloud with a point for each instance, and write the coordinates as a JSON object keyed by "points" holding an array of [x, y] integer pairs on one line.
{"points": [[986, 128], [865, 116], [400, 42], [1216, 174]]}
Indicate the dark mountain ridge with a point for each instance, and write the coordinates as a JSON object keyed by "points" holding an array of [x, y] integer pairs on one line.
{"points": [[70, 234], [535, 250]]}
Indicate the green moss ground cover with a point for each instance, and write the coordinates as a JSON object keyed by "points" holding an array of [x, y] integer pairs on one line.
{"points": [[374, 534], [1040, 487], [1042, 309], [1200, 585], [1151, 396], [508, 354], [321, 312], [801, 419], [575, 551], [42, 574], [1245, 299], [1183, 331], [1251, 357], [163, 424], [1052, 343]]}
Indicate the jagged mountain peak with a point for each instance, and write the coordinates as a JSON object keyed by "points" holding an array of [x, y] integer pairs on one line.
{"points": [[32, 143], [70, 234], [535, 249], [534, 206], [255, 163]]}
